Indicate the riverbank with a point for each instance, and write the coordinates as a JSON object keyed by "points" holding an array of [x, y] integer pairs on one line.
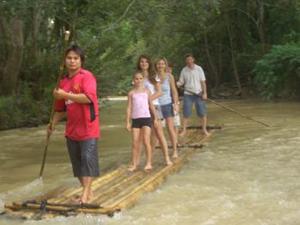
{"points": [[19, 114]]}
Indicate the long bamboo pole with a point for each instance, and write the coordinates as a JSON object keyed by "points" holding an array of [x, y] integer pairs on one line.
{"points": [[239, 113], [229, 109], [60, 74]]}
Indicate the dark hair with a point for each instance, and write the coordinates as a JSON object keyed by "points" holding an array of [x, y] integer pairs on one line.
{"points": [[77, 50], [189, 55], [151, 75]]}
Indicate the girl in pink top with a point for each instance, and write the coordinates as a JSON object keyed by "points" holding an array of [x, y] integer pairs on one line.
{"points": [[139, 120]]}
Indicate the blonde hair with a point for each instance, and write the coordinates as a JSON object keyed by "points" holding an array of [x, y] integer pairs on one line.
{"points": [[159, 59], [136, 73]]}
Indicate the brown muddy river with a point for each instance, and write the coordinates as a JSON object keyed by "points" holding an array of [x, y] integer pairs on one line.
{"points": [[247, 174]]}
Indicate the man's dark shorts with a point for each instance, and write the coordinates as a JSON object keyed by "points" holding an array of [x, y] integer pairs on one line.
{"points": [[84, 157]]}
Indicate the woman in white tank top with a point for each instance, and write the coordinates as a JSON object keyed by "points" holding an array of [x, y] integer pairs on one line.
{"points": [[145, 66]]}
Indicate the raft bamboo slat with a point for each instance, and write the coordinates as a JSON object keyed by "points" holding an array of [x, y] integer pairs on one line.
{"points": [[113, 192], [214, 127]]}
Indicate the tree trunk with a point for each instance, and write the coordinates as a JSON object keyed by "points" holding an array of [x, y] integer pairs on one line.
{"points": [[210, 62], [261, 23], [3, 49], [13, 32], [36, 23], [220, 64], [233, 61]]}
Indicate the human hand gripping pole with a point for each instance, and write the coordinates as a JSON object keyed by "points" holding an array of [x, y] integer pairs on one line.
{"points": [[50, 125]]}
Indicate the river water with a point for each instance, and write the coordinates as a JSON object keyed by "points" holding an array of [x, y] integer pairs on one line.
{"points": [[247, 174]]}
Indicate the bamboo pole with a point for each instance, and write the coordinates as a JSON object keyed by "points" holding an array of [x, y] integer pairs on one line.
{"points": [[208, 127], [192, 135], [118, 187], [184, 146], [150, 184], [239, 113], [120, 193], [61, 69], [107, 183], [110, 202], [51, 194], [229, 109], [147, 184], [19, 214], [57, 209], [65, 197]]}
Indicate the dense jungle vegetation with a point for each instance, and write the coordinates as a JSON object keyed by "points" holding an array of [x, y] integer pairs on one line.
{"points": [[247, 48]]}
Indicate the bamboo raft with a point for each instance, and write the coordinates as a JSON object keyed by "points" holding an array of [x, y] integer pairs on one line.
{"points": [[113, 192]]}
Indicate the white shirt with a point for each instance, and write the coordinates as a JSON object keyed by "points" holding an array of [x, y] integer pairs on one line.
{"points": [[152, 90], [191, 79]]}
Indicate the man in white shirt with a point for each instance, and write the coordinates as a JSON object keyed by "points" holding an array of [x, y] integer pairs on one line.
{"points": [[193, 79]]}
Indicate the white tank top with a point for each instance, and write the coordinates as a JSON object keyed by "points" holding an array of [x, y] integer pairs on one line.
{"points": [[152, 90]]}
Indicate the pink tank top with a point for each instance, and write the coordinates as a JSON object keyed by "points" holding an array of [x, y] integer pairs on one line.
{"points": [[140, 106]]}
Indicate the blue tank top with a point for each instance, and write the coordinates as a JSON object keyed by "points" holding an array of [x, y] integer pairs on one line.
{"points": [[166, 97]]}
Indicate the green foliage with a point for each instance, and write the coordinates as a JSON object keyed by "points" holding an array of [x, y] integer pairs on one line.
{"points": [[114, 33], [278, 72], [10, 114], [20, 110]]}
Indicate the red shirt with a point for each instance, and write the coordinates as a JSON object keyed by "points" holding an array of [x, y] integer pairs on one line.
{"points": [[82, 119]]}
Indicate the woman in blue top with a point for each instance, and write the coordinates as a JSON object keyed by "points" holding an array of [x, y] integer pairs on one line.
{"points": [[166, 100]]}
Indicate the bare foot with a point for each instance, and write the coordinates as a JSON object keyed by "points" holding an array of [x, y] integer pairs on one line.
{"points": [[84, 198], [169, 162], [206, 133], [175, 155], [148, 168], [182, 133], [132, 168]]}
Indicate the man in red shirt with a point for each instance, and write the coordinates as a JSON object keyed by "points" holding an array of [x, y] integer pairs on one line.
{"points": [[76, 98]]}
